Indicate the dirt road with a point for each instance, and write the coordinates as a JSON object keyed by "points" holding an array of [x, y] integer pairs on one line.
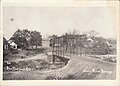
{"points": [[77, 68]]}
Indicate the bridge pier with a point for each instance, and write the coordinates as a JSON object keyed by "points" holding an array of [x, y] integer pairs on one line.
{"points": [[62, 59], [53, 59]]}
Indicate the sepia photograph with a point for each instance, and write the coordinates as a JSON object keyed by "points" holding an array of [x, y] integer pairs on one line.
{"points": [[59, 43]]}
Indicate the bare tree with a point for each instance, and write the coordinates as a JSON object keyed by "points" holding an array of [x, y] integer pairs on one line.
{"points": [[92, 33], [73, 32]]}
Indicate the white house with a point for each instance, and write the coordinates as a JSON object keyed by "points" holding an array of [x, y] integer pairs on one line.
{"points": [[109, 45], [90, 40], [12, 44]]}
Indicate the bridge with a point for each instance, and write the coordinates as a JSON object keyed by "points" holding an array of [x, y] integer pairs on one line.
{"points": [[65, 46]]}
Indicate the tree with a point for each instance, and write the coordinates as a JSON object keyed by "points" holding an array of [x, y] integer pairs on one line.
{"points": [[36, 38], [73, 32], [92, 33], [19, 37], [26, 34], [100, 46]]}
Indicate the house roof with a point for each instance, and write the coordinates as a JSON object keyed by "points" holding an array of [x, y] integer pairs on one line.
{"points": [[5, 41], [90, 39], [12, 44]]}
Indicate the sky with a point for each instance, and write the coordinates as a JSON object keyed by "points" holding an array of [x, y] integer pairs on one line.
{"points": [[58, 20]]}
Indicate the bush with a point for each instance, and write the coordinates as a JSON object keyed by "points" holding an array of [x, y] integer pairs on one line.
{"points": [[111, 59]]}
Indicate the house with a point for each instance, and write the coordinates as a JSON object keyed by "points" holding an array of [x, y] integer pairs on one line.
{"points": [[12, 44], [5, 44], [109, 45], [90, 40]]}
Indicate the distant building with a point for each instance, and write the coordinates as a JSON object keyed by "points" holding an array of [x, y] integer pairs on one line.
{"points": [[45, 42]]}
